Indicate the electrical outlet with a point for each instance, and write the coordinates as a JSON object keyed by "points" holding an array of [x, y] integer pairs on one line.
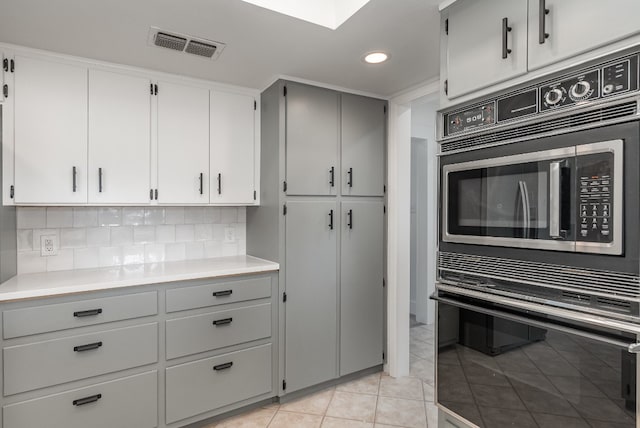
{"points": [[48, 245], [229, 234]]}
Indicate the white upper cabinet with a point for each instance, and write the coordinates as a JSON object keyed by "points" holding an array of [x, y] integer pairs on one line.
{"points": [[183, 144], [576, 26], [119, 138], [232, 133], [487, 43], [50, 133]]}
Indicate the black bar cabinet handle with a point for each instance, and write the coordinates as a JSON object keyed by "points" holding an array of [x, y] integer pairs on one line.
{"points": [[332, 181], [87, 400], [5, 64], [75, 174], [505, 40], [350, 221], [223, 366], [350, 181], [201, 183], [222, 293], [100, 180], [331, 220], [219, 183], [225, 321], [542, 21], [87, 313], [87, 347]]}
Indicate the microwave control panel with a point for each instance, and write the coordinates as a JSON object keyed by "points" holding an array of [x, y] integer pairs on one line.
{"points": [[595, 198]]}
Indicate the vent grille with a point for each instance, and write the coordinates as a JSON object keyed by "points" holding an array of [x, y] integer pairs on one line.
{"points": [[185, 43], [169, 41], [597, 116], [614, 304], [581, 281], [199, 48]]}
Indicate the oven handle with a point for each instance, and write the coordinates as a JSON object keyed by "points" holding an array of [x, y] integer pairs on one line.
{"points": [[554, 200], [633, 348]]}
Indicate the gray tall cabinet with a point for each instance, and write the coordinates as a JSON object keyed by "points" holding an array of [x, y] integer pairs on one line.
{"points": [[322, 217]]}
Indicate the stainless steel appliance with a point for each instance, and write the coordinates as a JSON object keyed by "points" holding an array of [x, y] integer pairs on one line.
{"points": [[538, 266]]}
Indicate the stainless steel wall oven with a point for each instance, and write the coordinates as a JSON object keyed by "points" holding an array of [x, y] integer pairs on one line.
{"points": [[538, 264]]}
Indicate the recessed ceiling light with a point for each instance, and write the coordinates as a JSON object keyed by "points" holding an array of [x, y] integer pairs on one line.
{"points": [[376, 57]]}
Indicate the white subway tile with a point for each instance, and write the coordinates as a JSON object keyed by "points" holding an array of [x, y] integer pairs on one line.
{"points": [[86, 258], [212, 214], [184, 232], [153, 216], [73, 238], [59, 217], [193, 215], [241, 231], [229, 215], [121, 235], [154, 253], [218, 232], [85, 217], [175, 251], [31, 217], [25, 240], [31, 262], [98, 236], [174, 215], [109, 216], [212, 249], [166, 233], [110, 256], [242, 214], [230, 249], [194, 250], [133, 216], [242, 248], [133, 254], [61, 261], [144, 234], [203, 232], [37, 233]]}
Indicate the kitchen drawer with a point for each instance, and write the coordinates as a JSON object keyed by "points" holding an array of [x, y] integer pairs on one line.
{"points": [[200, 333], [204, 385], [52, 362], [46, 318], [130, 402], [247, 288]]}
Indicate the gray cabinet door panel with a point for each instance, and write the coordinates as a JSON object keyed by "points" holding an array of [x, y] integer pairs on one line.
{"points": [[312, 137], [361, 291], [577, 26], [130, 402], [203, 385], [363, 145], [474, 55], [310, 281]]}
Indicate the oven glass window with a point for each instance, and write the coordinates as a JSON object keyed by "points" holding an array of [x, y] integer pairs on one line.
{"points": [[498, 373]]}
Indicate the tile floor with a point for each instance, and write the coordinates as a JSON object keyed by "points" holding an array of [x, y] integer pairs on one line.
{"points": [[374, 401]]}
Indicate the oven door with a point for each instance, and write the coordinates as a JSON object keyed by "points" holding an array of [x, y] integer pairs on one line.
{"points": [[501, 367]]}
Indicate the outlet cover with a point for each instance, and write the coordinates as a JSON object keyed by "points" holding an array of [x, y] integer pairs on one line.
{"points": [[229, 234], [48, 245]]}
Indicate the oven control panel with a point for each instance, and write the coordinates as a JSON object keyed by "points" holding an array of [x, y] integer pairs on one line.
{"points": [[471, 118], [570, 91], [595, 198]]}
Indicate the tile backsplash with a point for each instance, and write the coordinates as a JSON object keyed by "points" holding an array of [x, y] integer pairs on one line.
{"points": [[90, 237]]}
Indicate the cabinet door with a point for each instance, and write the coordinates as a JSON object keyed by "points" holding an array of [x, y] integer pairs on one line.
{"points": [[312, 140], [577, 26], [475, 43], [310, 281], [4, 68], [361, 290], [119, 138], [363, 145], [50, 132], [232, 148], [183, 144]]}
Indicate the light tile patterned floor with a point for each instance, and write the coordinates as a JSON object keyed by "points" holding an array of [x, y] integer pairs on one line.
{"points": [[375, 401]]}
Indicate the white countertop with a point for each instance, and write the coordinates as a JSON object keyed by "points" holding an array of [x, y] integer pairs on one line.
{"points": [[49, 284]]}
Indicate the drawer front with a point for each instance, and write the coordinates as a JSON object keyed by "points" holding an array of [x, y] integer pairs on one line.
{"points": [[131, 402], [43, 319], [204, 385], [52, 362], [180, 299], [206, 332]]}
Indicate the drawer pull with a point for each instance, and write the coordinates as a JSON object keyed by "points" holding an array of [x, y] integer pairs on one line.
{"points": [[87, 313], [87, 400], [223, 366], [222, 293], [87, 347], [223, 321]]}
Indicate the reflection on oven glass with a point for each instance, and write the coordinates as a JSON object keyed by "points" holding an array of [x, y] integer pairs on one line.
{"points": [[498, 373]]}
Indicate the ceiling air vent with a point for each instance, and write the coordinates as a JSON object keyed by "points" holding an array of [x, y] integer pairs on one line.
{"points": [[185, 43]]}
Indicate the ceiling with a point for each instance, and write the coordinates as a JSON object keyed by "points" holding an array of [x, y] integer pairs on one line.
{"points": [[261, 44]]}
